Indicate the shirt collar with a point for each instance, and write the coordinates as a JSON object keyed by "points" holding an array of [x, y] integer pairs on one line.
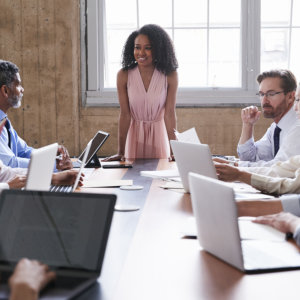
{"points": [[288, 120], [2, 114]]}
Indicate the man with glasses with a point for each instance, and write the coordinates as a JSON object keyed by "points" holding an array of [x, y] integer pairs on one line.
{"points": [[282, 139]]}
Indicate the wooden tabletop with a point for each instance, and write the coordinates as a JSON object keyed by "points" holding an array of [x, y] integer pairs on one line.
{"points": [[159, 264]]}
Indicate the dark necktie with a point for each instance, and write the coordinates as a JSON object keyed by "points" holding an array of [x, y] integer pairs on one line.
{"points": [[7, 125], [276, 139]]}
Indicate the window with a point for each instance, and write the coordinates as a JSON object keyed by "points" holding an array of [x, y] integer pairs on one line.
{"points": [[220, 45]]}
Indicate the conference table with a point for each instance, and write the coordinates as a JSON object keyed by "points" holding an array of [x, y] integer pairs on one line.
{"points": [[148, 258]]}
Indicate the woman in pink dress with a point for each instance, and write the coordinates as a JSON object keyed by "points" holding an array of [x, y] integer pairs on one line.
{"points": [[147, 86]]}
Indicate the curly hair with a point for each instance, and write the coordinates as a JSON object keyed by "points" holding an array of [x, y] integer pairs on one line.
{"points": [[8, 71], [288, 79], [162, 49]]}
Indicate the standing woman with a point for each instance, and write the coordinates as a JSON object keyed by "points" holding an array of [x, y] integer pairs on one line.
{"points": [[147, 86]]}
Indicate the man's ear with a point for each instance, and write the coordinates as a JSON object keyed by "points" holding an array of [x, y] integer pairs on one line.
{"points": [[291, 98], [3, 90]]}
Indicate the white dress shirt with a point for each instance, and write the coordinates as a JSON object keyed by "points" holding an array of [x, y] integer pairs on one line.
{"points": [[7, 173], [261, 153], [280, 178]]}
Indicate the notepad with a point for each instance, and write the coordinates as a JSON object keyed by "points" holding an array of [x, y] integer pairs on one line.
{"points": [[106, 183]]}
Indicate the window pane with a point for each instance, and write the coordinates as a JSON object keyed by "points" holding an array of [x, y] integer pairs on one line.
{"points": [[155, 12], [274, 48], [121, 14], [224, 58], [185, 16], [296, 10], [295, 56], [114, 47], [275, 13], [190, 46], [223, 12]]}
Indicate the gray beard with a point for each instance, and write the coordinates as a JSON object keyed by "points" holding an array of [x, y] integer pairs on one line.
{"points": [[15, 101]]}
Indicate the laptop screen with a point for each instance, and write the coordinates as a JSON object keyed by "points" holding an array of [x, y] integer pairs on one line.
{"points": [[63, 230]]}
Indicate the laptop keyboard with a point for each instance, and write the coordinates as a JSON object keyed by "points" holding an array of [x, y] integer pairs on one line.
{"points": [[61, 188], [256, 258]]}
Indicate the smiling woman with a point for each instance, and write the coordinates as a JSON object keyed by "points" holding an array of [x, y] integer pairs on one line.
{"points": [[147, 87]]}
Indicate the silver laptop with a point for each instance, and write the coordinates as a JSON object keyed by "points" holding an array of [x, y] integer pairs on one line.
{"points": [[40, 169], [72, 188], [191, 157], [92, 159], [67, 231], [218, 231]]}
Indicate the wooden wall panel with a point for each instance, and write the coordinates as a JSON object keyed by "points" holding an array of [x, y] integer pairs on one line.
{"points": [[11, 45], [30, 67], [67, 72], [42, 38], [47, 72]]}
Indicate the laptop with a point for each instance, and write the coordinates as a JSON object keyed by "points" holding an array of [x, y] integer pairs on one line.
{"points": [[215, 210], [191, 157], [72, 188], [197, 158], [92, 160], [67, 231], [41, 168]]}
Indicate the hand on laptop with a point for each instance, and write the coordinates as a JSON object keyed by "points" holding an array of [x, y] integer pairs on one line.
{"points": [[116, 157], [284, 222], [66, 177], [226, 172], [64, 162], [17, 182], [29, 277]]}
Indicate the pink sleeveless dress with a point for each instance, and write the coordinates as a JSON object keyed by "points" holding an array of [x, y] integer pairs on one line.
{"points": [[147, 135]]}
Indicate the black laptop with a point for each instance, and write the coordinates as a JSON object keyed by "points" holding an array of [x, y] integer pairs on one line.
{"points": [[67, 231]]}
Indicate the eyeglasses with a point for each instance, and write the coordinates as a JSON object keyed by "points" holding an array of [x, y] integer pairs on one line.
{"points": [[269, 95]]}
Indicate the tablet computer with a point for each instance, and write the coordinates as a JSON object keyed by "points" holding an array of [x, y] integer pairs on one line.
{"points": [[92, 159]]}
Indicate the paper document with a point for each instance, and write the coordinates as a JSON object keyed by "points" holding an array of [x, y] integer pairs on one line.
{"points": [[106, 183], [172, 185], [189, 136], [163, 174], [254, 231]]}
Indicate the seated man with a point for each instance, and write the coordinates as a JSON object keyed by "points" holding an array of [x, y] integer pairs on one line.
{"points": [[282, 139], [14, 151], [280, 178]]}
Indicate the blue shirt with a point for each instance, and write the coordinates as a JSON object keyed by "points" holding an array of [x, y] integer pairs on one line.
{"points": [[18, 155]]}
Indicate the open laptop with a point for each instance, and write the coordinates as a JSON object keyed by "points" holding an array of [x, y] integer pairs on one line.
{"points": [[191, 157], [41, 168], [72, 188], [197, 158], [67, 231], [92, 160], [215, 210]]}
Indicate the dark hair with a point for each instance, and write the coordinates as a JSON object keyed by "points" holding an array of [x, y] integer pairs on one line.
{"points": [[162, 49], [288, 79], [8, 71]]}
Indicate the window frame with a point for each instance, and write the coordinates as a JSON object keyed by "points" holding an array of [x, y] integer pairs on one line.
{"points": [[94, 94]]}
